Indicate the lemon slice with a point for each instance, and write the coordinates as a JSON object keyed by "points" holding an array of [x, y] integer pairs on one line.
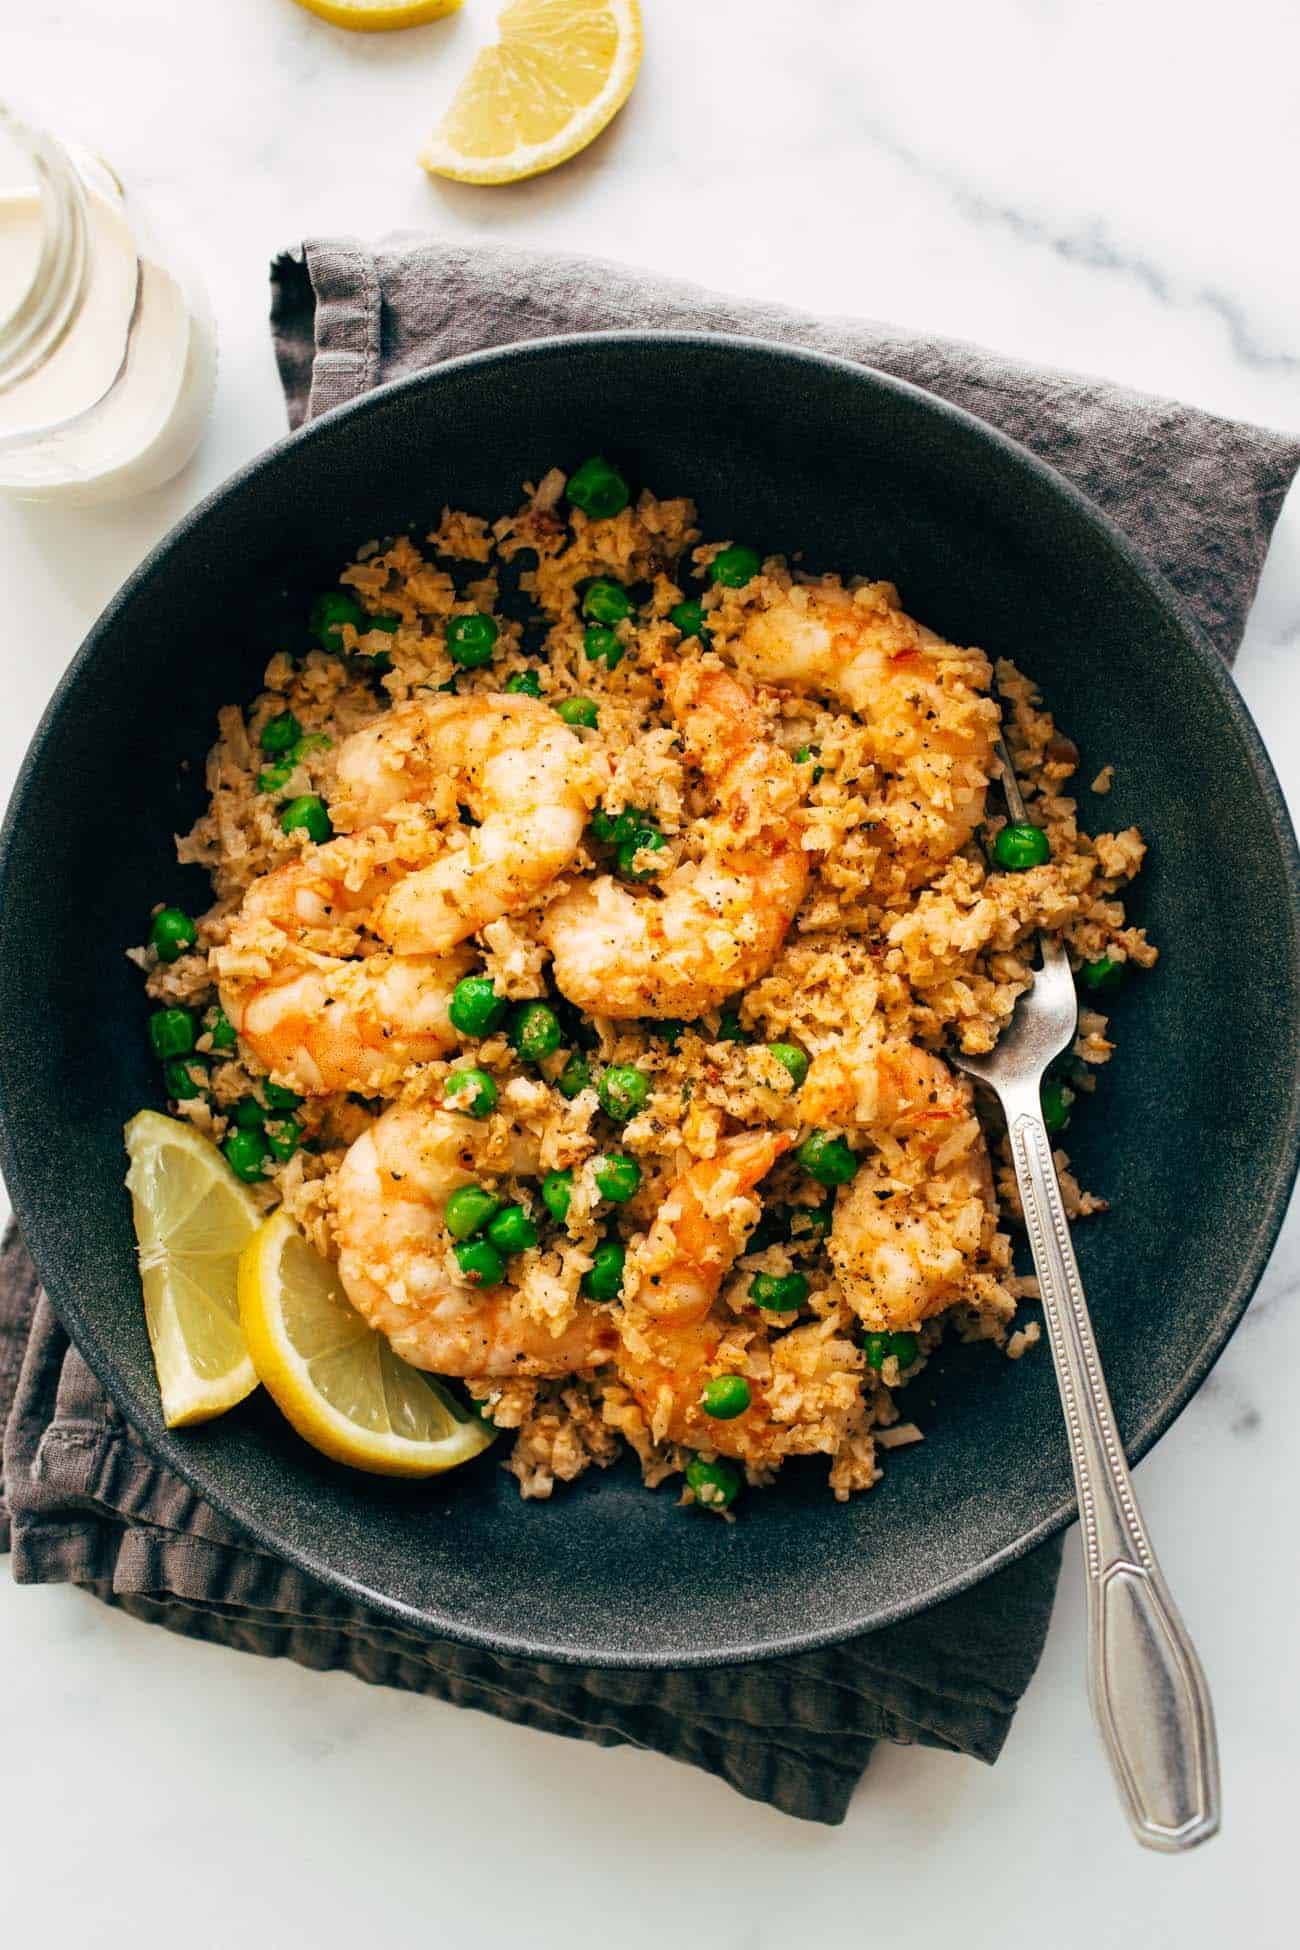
{"points": [[559, 73], [192, 1220], [379, 16], [336, 1380]]}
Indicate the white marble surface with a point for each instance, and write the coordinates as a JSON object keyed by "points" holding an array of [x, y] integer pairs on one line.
{"points": [[1091, 184]]}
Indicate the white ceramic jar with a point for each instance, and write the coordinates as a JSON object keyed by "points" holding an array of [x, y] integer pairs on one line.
{"points": [[107, 351]]}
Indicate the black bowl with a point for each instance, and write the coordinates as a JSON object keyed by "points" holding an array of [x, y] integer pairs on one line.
{"points": [[1194, 1134]]}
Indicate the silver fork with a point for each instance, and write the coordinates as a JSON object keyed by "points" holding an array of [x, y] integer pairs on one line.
{"points": [[1148, 1693]]}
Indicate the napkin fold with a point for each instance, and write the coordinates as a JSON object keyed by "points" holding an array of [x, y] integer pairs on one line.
{"points": [[81, 1498]]}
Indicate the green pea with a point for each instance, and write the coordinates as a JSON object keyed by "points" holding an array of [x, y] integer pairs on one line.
{"points": [[876, 1348], [329, 613], [535, 1031], [778, 1292], [282, 1136], [578, 711], [246, 1152], [811, 1221], [475, 1007], [792, 1059], [524, 683], [735, 566], [1056, 1115], [277, 1097], [471, 1090], [904, 1348], [598, 489], [308, 815], [602, 646], [557, 1190], [605, 1280], [613, 829], [622, 1092], [617, 1177], [646, 839], [185, 1079], [714, 1485], [471, 640], [729, 1028], [171, 932], [171, 1031], [1019, 847], [1103, 976], [726, 1396], [248, 1114], [574, 1078], [389, 624], [606, 601], [512, 1231], [276, 777], [468, 1210], [480, 1262], [311, 741], [222, 1031], [668, 1029], [827, 1159], [689, 619], [280, 734]]}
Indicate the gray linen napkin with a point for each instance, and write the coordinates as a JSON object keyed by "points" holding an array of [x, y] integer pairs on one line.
{"points": [[82, 1501], [86, 1502]]}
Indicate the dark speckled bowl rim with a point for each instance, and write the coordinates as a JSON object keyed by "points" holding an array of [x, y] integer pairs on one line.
{"points": [[1270, 1203]]}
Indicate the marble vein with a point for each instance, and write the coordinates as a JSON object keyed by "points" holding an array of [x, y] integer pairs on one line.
{"points": [[1092, 247]]}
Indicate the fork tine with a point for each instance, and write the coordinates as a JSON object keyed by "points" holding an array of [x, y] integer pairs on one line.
{"points": [[1007, 772], [1047, 1013], [1052, 953], [1055, 964]]}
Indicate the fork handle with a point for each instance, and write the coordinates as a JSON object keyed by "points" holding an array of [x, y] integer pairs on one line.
{"points": [[1148, 1693]]}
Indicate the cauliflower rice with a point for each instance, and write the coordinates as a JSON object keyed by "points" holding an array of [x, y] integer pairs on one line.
{"points": [[871, 954]]}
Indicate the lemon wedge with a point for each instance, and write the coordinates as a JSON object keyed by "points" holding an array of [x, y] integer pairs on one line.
{"points": [[192, 1220], [336, 1380], [379, 16], [558, 74]]}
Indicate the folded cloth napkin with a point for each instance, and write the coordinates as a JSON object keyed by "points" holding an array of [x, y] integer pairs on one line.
{"points": [[85, 1500], [86, 1503]]}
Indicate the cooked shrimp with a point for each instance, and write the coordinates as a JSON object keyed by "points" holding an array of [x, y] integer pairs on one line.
{"points": [[397, 1266], [669, 1337], [879, 1086], [674, 1325], [924, 701], [909, 1230], [526, 779], [711, 926], [297, 976], [294, 982]]}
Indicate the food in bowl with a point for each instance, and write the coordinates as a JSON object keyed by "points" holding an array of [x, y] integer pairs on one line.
{"points": [[592, 906]]}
